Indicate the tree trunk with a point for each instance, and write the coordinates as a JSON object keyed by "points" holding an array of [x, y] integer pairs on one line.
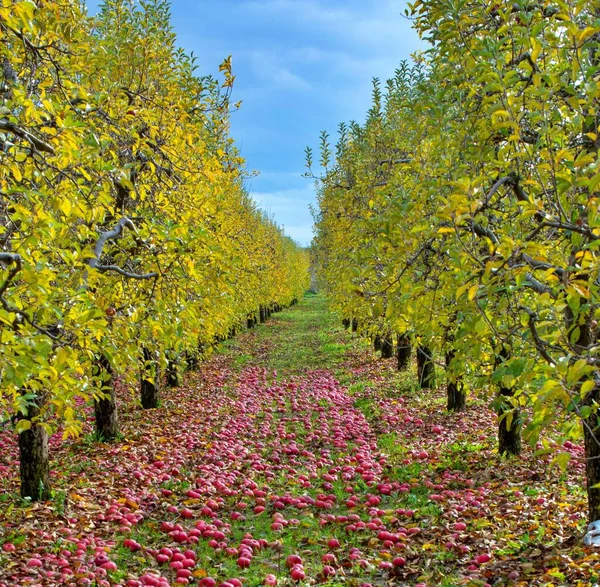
{"points": [[346, 323], [172, 373], [425, 368], [149, 385], [34, 460], [509, 417], [192, 360], [591, 436], [457, 398], [387, 347], [105, 409], [377, 343], [354, 324], [262, 314], [509, 437], [403, 351]]}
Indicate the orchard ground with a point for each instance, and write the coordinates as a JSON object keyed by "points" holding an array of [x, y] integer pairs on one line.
{"points": [[296, 456]]}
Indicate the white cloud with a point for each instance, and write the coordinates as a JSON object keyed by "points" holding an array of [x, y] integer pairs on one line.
{"points": [[302, 234], [372, 24], [269, 68], [290, 208]]}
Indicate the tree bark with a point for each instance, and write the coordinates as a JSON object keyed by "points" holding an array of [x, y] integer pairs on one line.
{"points": [[387, 347], [509, 417], [346, 323], [172, 372], [377, 343], [403, 351], [149, 384], [262, 314], [591, 435], [34, 460], [425, 368], [105, 409], [455, 389], [509, 437], [192, 360], [354, 325]]}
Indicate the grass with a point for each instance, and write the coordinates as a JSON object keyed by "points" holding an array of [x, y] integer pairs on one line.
{"points": [[305, 336]]}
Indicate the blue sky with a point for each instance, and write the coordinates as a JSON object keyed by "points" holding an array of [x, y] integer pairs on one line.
{"points": [[301, 66]]}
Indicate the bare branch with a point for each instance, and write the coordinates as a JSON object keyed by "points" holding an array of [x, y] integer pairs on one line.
{"points": [[496, 187], [539, 343], [482, 231], [537, 286], [36, 143], [542, 265], [113, 234]]}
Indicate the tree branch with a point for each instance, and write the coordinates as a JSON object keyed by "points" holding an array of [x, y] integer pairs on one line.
{"points": [[482, 231], [539, 343], [113, 234], [11, 258], [542, 265], [36, 143]]}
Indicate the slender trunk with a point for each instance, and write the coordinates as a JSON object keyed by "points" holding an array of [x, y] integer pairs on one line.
{"points": [[346, 323], [172, 372], [34, 460], [591, 424], [377, 343], [354, 324], [150, 393], [251, 321], [262, 314], [509, 417], [425, 368], [105, 409], [192, 360], [403, 351], [509, 428], [387, 347], [591, 435], [455, 390]]}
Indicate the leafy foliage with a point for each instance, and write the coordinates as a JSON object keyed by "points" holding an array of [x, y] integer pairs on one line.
{"points": [[124, 222], [465, 209]]}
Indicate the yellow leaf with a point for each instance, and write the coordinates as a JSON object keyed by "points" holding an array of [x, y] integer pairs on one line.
{"points": [[66, 207], [473, 292]]}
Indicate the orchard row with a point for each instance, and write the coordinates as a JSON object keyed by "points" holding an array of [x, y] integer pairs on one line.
{"points": [[463, 216], [128, 242]]}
